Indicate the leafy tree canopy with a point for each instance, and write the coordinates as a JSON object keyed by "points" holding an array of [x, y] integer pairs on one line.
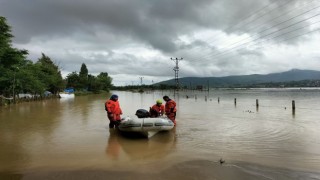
{"points": [[51, 75], [20, 75]]}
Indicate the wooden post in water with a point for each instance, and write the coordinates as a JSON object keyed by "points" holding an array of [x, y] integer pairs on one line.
{"points": [[257, 102], [195, 96], [293, 108], [293, 105], [235, 101], [218, 99]]}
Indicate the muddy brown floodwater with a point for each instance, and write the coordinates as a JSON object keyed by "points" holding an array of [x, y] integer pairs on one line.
{"points": [[70, 138]]}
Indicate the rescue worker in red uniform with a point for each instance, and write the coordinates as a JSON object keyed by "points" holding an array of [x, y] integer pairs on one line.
{"points": [[170, 109], [114, 111], [157, 109]]}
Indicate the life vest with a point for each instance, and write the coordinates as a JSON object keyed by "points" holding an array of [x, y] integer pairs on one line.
{"points": [[113, 107], [156, 110], [170, 107]]}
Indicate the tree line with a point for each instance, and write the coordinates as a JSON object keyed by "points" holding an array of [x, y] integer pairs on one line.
{"points": [[21, 75], [83, 81]]}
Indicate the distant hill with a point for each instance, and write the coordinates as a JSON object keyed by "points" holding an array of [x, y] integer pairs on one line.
{"points": [[246, 80]]}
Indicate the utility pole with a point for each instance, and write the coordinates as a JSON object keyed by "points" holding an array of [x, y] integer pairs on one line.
{"points": [[141, 80], [176, 71]]}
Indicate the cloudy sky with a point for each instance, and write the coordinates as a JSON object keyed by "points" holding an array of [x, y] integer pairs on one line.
{"points": [[130, 39]]}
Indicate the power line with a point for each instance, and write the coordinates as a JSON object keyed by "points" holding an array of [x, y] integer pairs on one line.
{"points": [[294, 37], [285, 22], [226, 51], [305, 12], [273, 26], [268, 12], [252, 15], [281, 15], [261, 37]]}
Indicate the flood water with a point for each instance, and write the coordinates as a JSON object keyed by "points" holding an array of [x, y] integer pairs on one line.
{"points": [[63, 139]]}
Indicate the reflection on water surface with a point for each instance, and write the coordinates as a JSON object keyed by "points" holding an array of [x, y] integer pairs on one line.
{"points": [[73, 134]]}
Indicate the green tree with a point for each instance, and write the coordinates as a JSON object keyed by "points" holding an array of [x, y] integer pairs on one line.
{"points": [[11, 59], [5, 36], [93, 84], [83, 75], [73, 80], [51, 76], [29, 79], [105, 81]]}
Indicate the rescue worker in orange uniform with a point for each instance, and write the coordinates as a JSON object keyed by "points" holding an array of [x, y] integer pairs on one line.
{"points": [[157, 109], [170, 109], [114, 111]]}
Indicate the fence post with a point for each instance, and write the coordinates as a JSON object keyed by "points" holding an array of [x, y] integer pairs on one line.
{"points": [[293, 108], [293, 105]]}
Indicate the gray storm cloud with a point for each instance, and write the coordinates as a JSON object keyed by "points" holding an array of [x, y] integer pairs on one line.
{"points": [[139, 37]]}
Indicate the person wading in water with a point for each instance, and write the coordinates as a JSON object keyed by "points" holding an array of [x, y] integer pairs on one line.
{"points": [[114, 111], [170, 109]]}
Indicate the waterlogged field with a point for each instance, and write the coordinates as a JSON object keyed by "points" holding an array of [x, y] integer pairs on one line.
{"points": [[71, 139]]}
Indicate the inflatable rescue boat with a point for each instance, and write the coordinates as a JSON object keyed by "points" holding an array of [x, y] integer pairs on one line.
{"points": [[144, 124]]}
